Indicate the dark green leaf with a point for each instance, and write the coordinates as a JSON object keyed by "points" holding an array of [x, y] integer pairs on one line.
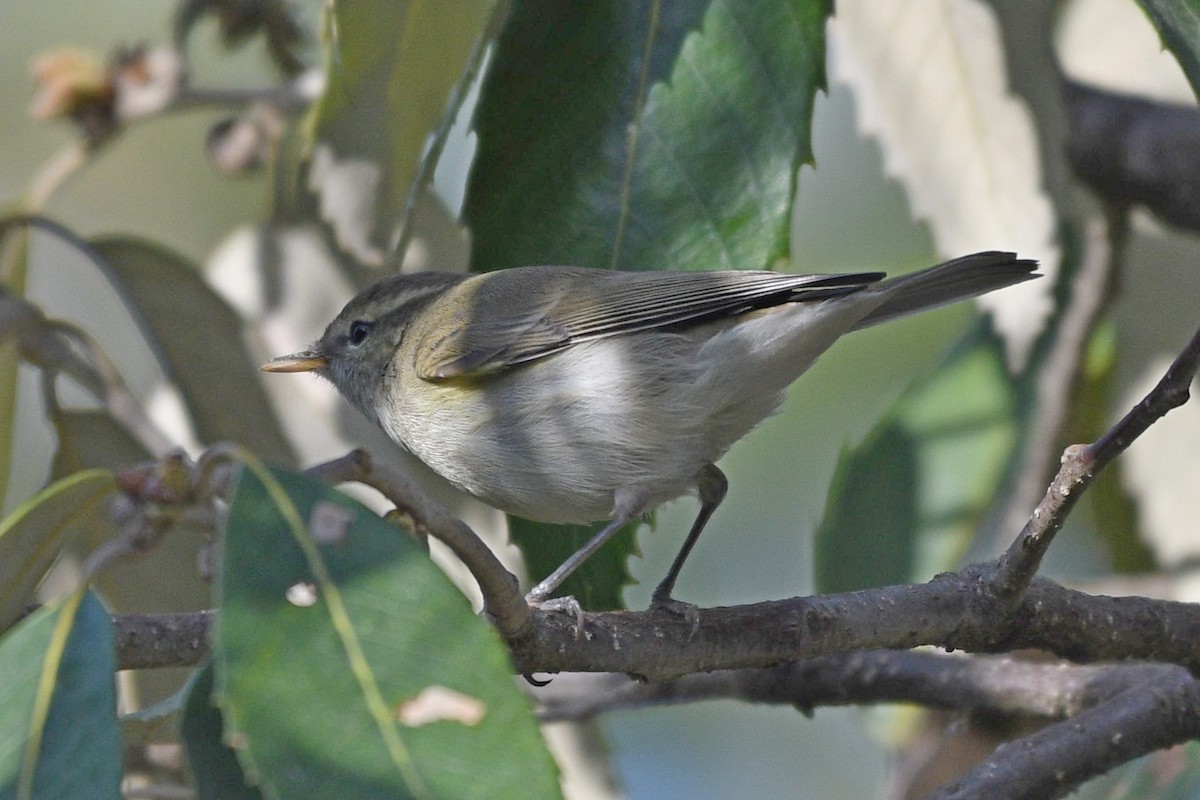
{"points": [[1178, 23], [641, 136], [215, 767], [905, 503], [397, 71], [198, 338], [645, 135], [867, 536], [70, 746], [546, 546], [323, 653]]}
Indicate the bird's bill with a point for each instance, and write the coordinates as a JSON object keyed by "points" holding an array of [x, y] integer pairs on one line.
{"points": [[304, 361]]}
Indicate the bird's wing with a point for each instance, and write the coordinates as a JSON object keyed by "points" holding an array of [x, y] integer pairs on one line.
{"points": [[569, 306]]}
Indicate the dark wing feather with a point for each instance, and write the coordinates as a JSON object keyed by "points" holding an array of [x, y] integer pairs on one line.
{"points": [[571, 306]]}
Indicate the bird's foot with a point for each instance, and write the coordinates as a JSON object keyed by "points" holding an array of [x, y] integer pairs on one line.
{"points": [[687, 612], [561, 605]]}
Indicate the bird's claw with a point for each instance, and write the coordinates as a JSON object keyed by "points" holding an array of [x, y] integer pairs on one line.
{"points": [[561, 605], [688, 612]]}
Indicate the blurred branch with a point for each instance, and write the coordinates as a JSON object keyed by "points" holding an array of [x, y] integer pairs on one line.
{"points": [[1145, 717], [998, 684], [57, 347], [1134, 151], [1059, 372], [151, 641]]}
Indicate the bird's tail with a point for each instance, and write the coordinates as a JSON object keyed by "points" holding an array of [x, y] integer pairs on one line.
{"points": [[958, 279]]}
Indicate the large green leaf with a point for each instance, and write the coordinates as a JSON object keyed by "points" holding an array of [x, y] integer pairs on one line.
{"points": [[641, 136], [1178, 23], [397, 71], [33, 536], [325, 652], [198, 338], [645, 135], [58, 705], [904, 503]]}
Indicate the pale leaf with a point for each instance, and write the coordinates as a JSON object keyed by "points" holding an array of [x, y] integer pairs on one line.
{"points": [[1111, 44], [931, 86], [1160, 469]]}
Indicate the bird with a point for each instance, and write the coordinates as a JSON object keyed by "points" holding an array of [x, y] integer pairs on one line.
{"points": [[573, 394]]}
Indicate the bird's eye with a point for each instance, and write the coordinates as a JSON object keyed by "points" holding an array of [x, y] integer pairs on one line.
{"points": [[359, 331]]}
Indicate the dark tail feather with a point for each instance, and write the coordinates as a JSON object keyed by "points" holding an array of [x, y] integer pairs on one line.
{"points": [[958, 279]]}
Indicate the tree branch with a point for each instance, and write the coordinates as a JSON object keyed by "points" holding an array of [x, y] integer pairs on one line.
{"points": [[1145, 717], [997, 684], [502, 600]]}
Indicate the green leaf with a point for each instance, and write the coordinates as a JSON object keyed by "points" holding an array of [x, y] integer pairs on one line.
{"points": [[397, 72], [35, 533], [214, 764], [58, 721], [198, 338], [1178, 23], [905, 503], [545, 547], [325, 651], [645, 135], [868, 534], [640, 136]]}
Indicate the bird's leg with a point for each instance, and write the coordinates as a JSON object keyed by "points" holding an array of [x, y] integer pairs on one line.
{"points": [[711, 486], [538, 594]]}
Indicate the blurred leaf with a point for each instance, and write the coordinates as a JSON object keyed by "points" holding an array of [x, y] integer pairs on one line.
{"points": [[1162, 471], [640, 136], [323, 659], [397, 71], [645, 136], [1178, 23], [35, 533], [905, 503], [868, 534], [58, 705], [929, 84], [214, 765], [89, 438], [545, 547], [14, 263], [198, 338]]}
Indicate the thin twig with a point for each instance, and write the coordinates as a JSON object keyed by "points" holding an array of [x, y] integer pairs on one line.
{"points": [[1080, 465]]}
